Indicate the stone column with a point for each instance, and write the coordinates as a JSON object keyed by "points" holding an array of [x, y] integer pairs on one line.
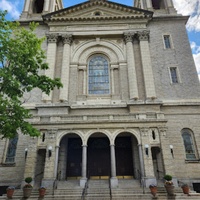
{"points": [[113, 180], [146, 64], [133, 89], [64, 91], [51, 60], [56, 162], [84, 166], [112, 80], [148, 161], [84, 81]]}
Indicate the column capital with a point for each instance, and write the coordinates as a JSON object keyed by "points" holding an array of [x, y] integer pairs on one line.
{"points": [[67, 39], [143, 35], [52, 37], [128, 37]]}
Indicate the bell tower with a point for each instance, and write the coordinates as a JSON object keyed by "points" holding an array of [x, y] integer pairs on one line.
{"points": [[34, 9], [158, 6]]}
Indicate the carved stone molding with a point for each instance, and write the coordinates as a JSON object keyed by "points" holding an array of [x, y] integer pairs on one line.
{"points": [[144, 131], [128, 37], [52, 37], [162, 130], [67, 39], [143, 35]]}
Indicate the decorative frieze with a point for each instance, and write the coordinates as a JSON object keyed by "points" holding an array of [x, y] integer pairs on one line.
{"points": [[52, 37], [67, 39], [143, 35]]}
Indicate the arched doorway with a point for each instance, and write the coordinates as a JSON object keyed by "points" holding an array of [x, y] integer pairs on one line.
{"points": [[127, 156], [98, 155], [70, 157]]}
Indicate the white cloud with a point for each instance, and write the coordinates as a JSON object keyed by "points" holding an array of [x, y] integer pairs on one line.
{"points": [[10, 7], [192, 8]]}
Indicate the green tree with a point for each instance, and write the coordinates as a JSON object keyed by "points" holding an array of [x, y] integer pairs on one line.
{"points": [[21, 60]]}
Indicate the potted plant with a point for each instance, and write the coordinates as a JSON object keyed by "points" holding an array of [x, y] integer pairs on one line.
{"points": [[185, 188], [27, 189], [153, 189], [10, 191], [42, 191], [169, 186]]}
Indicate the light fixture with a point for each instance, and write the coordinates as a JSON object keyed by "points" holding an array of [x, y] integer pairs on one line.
{"points": [[50, 151], [146, 146], [26, 153], [171, 150]]}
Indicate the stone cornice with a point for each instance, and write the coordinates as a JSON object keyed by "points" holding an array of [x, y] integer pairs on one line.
{"points": [[124, 12]]}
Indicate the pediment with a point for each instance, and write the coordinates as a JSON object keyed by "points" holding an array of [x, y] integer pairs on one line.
{"points": [[97, 10]]}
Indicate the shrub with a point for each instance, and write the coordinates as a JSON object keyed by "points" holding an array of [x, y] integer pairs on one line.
{"points": [[28, 180], [168, 177]]}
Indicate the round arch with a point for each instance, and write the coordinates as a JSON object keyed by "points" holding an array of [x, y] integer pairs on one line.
{"points": [[86, 49], [64, 133], [132, 132], [92, 132]]}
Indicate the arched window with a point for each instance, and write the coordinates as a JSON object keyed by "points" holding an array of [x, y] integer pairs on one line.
{"points": [[189, 144], [98, 75], [11, 151]]}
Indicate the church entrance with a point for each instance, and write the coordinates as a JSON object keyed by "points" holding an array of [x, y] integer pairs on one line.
{"points": [[127, 156], [74, 157], [98, 158]]}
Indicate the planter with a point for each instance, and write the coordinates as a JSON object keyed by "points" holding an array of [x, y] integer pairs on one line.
{"points": [[153, 190], [42, 192], [10, 193], [27, 192], [169, 189], [185, 189]]}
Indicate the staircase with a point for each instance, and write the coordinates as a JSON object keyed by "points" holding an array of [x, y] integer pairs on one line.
{"points": [[100, 190]]}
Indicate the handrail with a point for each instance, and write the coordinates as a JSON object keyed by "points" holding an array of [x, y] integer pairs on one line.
{"points": [[54, 186], [84, 190], [141, 181], [39, 174], [110, 190]]}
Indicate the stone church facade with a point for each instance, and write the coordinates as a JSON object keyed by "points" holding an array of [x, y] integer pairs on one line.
{"points": [[130, 103]]}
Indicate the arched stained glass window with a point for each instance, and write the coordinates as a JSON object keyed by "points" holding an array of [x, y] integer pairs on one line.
{"points": [[11, 151], [98, 75], [189, 144]]}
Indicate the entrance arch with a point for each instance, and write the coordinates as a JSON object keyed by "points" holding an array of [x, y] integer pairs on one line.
{"points": [[98, 155], [70, 157], [127, 156]]}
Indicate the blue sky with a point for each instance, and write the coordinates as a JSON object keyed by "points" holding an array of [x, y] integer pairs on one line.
{"points": [[184, 7]]}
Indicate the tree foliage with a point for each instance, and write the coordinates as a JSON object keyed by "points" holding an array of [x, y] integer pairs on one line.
{"points": [[21, 60]]}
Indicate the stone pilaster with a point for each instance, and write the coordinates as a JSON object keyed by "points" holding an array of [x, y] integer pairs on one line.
{"points": [[31, 160], [149, 4], [51, 60], [64, 91], [146, 64], [133, 88], [149, 176], [49, 170]]}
